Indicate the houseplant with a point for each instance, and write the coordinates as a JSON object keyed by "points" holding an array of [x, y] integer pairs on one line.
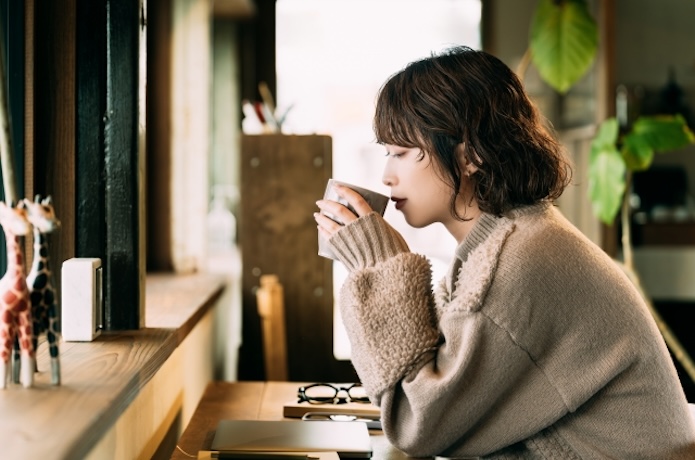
{"points": [[563, 43]]}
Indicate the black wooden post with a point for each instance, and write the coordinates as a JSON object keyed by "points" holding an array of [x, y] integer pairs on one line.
{"points": [[108, 156]]}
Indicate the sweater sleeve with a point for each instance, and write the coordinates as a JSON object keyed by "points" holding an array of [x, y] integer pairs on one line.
{"points": [[386, 302], [366, 241], [389, 317]]}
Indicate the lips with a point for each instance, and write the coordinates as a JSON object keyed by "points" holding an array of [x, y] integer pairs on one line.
{"points": [[399, 202]]}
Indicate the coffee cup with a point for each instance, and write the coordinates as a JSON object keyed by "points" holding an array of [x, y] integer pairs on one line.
{"points": [[376, 200]]}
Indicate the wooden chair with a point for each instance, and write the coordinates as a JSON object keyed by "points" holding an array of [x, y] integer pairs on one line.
{"points": [[271, 309]]}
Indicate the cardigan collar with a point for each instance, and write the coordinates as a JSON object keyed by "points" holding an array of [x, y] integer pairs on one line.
{"points": [[487, 223], [469, 280]]}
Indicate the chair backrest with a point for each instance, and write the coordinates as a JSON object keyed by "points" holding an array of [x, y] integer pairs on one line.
{"points": [[271, 308]]}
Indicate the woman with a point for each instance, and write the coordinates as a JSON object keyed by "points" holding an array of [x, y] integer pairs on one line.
{"points": [[535, 345]]}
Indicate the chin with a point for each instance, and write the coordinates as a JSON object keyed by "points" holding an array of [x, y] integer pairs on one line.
{"points": [[417, 223]]}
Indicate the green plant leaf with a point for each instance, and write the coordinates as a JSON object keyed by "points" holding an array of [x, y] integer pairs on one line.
{"points": [[637, 152], [606, 172], [654, 134], [607, 136], [563, 41]]}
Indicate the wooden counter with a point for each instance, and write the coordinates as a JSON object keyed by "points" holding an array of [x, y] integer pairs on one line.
{"points": [[103, 380]]}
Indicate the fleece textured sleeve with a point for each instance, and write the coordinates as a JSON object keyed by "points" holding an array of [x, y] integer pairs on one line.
{"points": [[392, 331], [377, 256]]}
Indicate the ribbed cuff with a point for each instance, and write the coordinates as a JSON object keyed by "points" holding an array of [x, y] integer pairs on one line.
{"points": [[367, 241]]}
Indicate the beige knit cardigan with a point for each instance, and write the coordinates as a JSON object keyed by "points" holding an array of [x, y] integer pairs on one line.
{"points": [[535, 346]]}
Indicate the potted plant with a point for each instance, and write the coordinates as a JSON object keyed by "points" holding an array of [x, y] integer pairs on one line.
{"points": [[562, 46]]}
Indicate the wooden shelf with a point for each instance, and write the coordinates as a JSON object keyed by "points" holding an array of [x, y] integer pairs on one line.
{"points": [[665, 233], [101, 379]]}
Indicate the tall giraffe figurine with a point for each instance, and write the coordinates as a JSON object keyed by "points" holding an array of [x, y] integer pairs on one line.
{"points": [[42, 217], [15, 305]]}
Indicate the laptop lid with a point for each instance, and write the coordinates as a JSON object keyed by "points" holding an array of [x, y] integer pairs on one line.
{"points": [[348, 439]]}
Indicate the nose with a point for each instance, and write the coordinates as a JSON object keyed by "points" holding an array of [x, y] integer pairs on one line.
{"points": [[388, 178]]}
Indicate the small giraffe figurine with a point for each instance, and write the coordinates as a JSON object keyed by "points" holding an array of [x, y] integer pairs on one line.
{"points": [[15, 306], [43, 299]]}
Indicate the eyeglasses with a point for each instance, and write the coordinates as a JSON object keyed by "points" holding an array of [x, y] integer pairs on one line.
{"points": [[325, 393]]}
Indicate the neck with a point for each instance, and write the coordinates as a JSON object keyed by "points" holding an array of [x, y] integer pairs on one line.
{"points": [[459, 229], [467, 208], [40, 251], [15, 260]]}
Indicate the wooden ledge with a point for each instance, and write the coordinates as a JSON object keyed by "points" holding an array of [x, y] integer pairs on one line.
{"points": [[178, 302], [100, 379]]}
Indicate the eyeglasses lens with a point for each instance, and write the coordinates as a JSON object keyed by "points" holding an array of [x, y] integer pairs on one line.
{"points": [[357, 393], [320, 393]]}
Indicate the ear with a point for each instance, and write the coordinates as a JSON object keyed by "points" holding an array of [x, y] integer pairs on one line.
{"points": [[466, 165]]}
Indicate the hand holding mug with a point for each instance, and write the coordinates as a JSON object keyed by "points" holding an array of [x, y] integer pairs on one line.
{"points": [[342, 204]]}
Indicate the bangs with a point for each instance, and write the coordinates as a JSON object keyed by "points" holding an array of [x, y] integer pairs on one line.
{"points": [[395, 130], [394, 120]]}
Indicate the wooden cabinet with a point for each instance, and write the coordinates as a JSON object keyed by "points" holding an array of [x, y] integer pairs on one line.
{"points": [[282, 176]]}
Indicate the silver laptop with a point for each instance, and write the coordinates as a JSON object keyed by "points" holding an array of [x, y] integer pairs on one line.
{"points": [[347, 439]]}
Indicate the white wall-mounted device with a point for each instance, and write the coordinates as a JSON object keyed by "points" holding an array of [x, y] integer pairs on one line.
{"points": [[82, 303]]}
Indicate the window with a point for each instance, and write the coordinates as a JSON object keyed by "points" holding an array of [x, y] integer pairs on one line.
{"points": [[332, 58]]}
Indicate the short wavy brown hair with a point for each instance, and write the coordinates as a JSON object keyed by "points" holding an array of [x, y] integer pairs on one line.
{"points": [[462, 95]]}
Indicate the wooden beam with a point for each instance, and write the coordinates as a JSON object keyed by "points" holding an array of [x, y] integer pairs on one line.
{"points": [[124, 271], [108, 152]]}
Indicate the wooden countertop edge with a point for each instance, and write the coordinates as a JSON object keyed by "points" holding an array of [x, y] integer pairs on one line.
{"points": [[166, 343], [100, 379]]}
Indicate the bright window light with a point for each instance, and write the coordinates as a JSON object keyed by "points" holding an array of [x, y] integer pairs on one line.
{"points": [[332, 58]]}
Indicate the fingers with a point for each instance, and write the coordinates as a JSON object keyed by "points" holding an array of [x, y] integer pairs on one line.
{"points": [[334, 215], [336, 211], [356, 201], [346, 207], [326, 225]]}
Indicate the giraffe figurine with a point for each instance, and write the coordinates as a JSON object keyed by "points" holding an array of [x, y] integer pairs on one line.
{"points": [[42, 217], [15, 305]]}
